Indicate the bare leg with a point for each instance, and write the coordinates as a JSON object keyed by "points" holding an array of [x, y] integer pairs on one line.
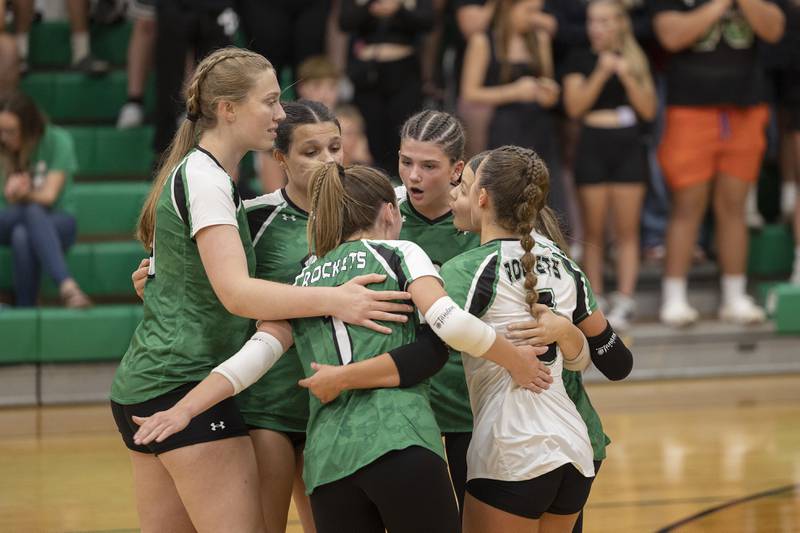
{"points": [[594, 200], [730, 195], [476, 118], [557, 523], [157, 501], [480, 517], [626, 207], [301, 501], [78, 12], [9, 64], [276, 467], [218, 484], [140, 55], [688, 207]]}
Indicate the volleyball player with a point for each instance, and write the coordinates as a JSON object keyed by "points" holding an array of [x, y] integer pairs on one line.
{"points": [[194, 224], [530, 459], [373, 458]]}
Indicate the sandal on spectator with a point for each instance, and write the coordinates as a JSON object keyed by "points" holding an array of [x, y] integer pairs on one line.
{"points": [[73, 297]]}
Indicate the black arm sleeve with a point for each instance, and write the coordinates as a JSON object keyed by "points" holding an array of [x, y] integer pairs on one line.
{"points": [[420, 359], [610, 355]]}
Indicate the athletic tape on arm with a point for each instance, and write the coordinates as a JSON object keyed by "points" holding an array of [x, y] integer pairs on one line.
{"points": [[255, 358], [460, 329]]}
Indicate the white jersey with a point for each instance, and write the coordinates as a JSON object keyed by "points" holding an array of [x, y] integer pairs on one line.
{"points": [[517, 434]]}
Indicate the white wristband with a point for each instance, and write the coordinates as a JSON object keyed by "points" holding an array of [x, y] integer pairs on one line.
{"points": [[460, 329], [252, 361]]}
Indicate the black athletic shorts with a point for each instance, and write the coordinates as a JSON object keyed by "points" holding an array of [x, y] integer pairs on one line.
{"points": [[611, 155], [297, 438], [561, 491], [222, 421]]}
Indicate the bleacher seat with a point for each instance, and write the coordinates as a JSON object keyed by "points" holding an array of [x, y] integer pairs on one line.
{"points": [[108, 209], [53, 335], [50, 43], [105, 151], [771, 251]]}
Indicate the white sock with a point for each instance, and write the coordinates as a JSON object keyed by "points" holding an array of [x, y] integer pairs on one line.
{"points": [[673, 291], [22, 45], [734, 288], [80, 46]]}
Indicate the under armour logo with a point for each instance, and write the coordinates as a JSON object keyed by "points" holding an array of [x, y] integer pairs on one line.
{"points": [[216, 426], [289, 217]]}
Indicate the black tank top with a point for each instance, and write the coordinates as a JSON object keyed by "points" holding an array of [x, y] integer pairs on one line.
{"points": [[517, 70]]}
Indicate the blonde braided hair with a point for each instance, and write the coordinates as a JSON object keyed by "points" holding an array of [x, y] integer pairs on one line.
{"points": [[226, 74]]}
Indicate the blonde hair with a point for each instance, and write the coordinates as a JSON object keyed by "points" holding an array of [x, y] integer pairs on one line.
{"points": [[344, 202], [226, 74], [518, 183], [629, 47], [501, 33]]}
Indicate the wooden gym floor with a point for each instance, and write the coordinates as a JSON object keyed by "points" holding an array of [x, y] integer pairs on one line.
{"points": [[712, 455]]}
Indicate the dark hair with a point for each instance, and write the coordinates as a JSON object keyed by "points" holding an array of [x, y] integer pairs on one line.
{"points": [[518, 183], [437, 127], [501, 33], [477, 159], [31, 123], [343, 202], [300, 113]]}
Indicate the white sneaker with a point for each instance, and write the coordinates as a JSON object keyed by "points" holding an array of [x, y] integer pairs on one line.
{"points": [[621, 313], [678, 314], [130, 116], [743, 311]]}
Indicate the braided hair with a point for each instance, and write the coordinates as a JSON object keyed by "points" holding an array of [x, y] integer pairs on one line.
{"points": [[439, 128], [518, 182], [226, 74]]}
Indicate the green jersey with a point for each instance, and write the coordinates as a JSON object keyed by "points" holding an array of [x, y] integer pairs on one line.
{"points": [[278, 228], [55, 151], [185, 331], [442, 241], [362, 425]]}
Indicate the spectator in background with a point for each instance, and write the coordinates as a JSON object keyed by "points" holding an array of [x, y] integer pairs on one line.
{"points": [[318, 79], [789, 108], [38, 160], [355, 146], [609, 88], [285, 31], [714, 139], [511, 68], [473, 17], [183, 27], [78, 12], [140, 58], [384, 67]]}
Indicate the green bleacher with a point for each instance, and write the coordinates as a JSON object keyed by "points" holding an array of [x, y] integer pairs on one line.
{"points": [[111, 184]]}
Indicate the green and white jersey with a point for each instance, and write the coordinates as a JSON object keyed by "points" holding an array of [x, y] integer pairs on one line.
{"points": [[185, 331], [362, 425], [278, 228], [441, 240], [519, 435]]}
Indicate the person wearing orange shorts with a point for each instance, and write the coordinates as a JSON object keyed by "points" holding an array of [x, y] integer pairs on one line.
{"points": [[714, 139]]}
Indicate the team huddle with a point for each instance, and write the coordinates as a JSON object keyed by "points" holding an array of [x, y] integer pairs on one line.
{"points": [[415, 353]]}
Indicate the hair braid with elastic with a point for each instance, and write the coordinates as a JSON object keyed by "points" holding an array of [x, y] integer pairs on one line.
{"points": [[517, 181]]}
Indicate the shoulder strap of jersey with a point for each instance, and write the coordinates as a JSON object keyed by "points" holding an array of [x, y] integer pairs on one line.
{"points": [[261, 211]]}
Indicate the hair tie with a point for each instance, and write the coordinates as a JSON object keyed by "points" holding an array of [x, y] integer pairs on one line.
{"points": [[340, 168], [192, 117]]}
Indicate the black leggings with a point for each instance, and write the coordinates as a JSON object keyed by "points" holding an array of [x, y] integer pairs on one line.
{"points": [[403, 491], [387, 94], [456, 445]]}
